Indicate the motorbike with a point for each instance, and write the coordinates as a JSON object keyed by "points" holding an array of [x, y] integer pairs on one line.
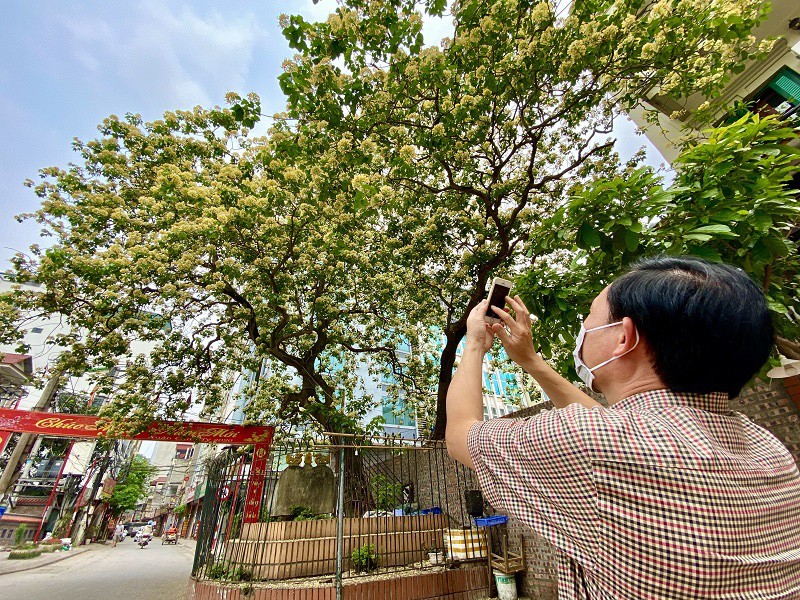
{"points": [[170, 537], [142, 539]]}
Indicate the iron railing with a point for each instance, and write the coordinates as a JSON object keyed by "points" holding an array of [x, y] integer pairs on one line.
{"points": [[378, 508]]}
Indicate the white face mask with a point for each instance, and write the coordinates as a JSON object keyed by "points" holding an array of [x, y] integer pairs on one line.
{"points": [[584, 372]]}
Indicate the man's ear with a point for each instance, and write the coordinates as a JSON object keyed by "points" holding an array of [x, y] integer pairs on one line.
{"points": [[628, 337]]}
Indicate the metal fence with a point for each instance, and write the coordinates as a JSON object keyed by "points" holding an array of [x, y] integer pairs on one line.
{"points": [[353, 511]]}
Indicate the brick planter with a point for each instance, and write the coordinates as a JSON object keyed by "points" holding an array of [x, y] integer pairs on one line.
{"points": [[287, 550], [453, 584]]}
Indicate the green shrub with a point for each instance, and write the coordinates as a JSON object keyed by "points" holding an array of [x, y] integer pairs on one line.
{"points": [[19, 535], [222, 570], [48, 548], [302, 513], [387, 494], [22, 554], [217, 570], [365, 559]]}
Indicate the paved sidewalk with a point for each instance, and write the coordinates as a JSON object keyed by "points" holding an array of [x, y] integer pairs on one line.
{"points": [[15, 566]]}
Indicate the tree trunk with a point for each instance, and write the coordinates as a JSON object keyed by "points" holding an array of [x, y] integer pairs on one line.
{"points": [[789, 348], [446, 362], [357, 492]]}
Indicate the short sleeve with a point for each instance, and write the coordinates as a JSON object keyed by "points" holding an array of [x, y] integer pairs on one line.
{"points": [[538, 471]]}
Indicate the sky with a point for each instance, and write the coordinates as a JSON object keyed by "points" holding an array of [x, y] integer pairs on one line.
{"points": [[68, 65]]}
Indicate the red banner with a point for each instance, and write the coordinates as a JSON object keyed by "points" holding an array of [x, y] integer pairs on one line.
{"points": [[255, 486], [86, 426]]}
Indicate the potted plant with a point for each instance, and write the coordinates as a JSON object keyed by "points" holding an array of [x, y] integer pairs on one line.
{"points": [[435, 555]]}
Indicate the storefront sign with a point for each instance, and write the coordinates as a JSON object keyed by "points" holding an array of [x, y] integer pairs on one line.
{"points": [[108, 488], [86, 426]]}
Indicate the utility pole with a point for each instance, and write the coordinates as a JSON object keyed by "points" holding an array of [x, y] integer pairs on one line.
{"points": [[25, 441]]}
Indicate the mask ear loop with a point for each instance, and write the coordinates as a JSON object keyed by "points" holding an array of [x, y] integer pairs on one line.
{"points": [[613, 358]]}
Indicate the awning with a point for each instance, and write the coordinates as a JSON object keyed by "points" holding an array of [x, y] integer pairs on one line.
{"points": [[787, 84]]}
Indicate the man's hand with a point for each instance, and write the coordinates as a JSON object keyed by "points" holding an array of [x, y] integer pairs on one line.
{"points": [[479, 333], [515, 334]]}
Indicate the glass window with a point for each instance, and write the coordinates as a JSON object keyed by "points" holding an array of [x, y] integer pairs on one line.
{"points": [[396, 413], [496, 384]]}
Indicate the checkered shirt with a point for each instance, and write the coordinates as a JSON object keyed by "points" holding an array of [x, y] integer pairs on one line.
{"points": [[661, 495]]}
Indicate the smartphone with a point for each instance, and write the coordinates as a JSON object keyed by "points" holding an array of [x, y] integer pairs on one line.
{"points": [[498, 291]]}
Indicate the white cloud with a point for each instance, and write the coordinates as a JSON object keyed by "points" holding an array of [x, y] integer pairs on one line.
{"points": [[89, 62], [165, 56]]}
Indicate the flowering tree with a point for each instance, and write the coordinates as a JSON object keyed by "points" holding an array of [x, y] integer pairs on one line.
{"points": [[226, 252], [401, 179], [485, 137]]}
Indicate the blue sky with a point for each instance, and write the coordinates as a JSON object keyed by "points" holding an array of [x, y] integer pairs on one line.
{"points": [[68, 65]]}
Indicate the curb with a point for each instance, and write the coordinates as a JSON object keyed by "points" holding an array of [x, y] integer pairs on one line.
{"points": [[26, 567]]}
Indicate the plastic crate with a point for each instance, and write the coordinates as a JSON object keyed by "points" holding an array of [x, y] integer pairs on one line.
{"points": [[490, 521]]}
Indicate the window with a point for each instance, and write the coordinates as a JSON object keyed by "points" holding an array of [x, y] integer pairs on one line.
{"points": [[396, 413], [780, 96], [496, 386], [487, 382], [184, 451]]}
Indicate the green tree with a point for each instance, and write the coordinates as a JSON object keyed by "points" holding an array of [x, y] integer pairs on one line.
{"points": [[132, 485], [731, 200], [486, 136]]}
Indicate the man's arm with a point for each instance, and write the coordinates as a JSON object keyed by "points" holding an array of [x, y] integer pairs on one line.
{"points": [[465, 395]]}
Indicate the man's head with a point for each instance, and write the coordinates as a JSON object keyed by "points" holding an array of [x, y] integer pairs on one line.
{"points": [[706, 327]]}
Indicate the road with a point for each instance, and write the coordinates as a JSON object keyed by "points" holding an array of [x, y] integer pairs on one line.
{"points": [[126, 572]]}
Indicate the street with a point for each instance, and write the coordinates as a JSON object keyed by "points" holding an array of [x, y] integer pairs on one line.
{"points": [[126, 572]]}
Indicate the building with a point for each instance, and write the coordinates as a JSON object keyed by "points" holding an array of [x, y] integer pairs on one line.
{"points": [[79, 475], [174, 463], [769, 86]]}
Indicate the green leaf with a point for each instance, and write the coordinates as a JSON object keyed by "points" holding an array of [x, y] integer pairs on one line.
{"points": [[714, 229], [589, 235], [238, 112], [631, 240], [706, 252]]}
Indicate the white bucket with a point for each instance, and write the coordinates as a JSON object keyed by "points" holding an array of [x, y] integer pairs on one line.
{"points": [[506, 585]]}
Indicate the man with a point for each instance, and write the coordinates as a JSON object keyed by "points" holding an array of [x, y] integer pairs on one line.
{"points": [[119, 532], [666, 493]]}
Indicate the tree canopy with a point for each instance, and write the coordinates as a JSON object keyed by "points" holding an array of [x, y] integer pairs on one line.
{"points": [[372, 214], [132, 485]]}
